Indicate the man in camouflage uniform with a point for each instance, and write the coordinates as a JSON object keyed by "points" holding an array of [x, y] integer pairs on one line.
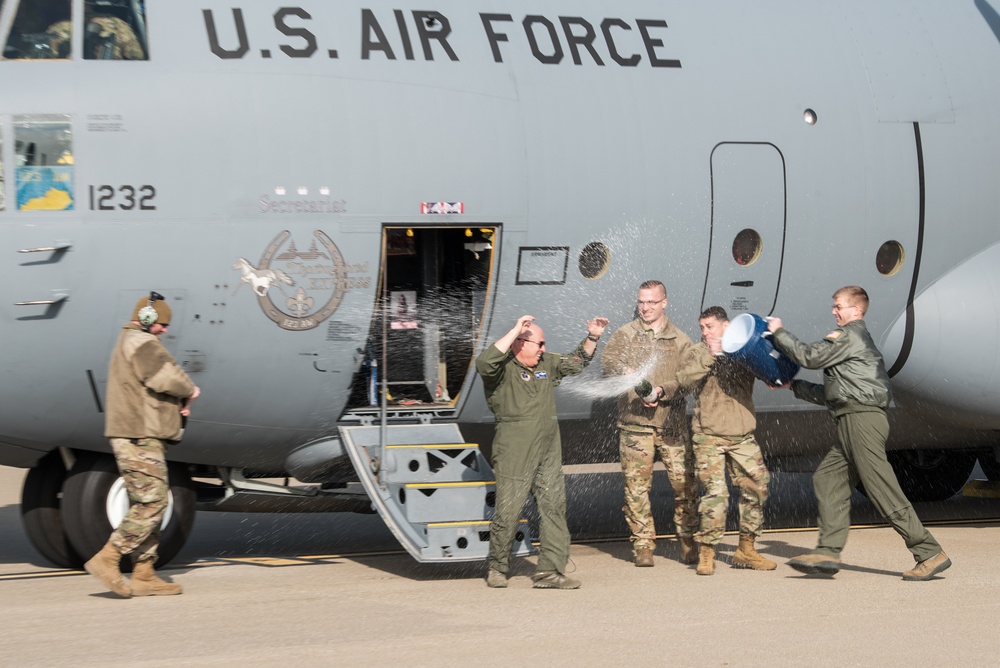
{"points": [[147, 396], [856, 390], [653, 345], [519, 378], [723, 426]]}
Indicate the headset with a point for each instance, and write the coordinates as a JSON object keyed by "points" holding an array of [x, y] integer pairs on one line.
{"points": [[148, 314]]}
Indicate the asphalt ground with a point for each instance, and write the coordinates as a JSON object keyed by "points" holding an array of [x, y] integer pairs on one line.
{"points": [[337, 590]]}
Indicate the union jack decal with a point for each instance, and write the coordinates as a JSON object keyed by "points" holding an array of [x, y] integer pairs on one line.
{"points": [[442, 207]]}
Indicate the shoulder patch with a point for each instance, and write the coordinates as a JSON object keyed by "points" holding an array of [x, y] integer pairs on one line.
{"points": [[834, 334]]}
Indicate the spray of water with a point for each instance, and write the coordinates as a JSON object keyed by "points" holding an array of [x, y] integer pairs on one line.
{"points": [[591, 387]]}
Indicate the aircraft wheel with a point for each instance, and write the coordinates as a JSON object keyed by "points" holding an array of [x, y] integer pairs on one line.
{"points": [[95, 502], [40, 512], [931, 475]]}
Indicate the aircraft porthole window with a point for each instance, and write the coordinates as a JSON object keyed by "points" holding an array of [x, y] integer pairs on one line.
{"points": [[809, 116], [747, 247], [594, 260], [889, 258]]}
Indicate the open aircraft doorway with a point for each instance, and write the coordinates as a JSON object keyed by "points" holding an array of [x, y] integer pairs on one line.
{"points": [[434, 287]]}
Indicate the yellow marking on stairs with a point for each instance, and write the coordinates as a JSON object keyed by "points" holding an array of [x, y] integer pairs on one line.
{"points": [[435, 446], [425, 485], [983, 489]]}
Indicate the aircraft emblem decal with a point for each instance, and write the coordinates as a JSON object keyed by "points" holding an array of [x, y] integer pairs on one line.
{"points": [[260, 279], [318, 274]]}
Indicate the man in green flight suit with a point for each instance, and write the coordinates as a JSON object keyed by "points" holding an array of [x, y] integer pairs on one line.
{"points": [[519, 378], [856, 390]]}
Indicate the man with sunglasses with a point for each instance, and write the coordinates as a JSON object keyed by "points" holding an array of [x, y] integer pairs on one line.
{"points": [[856, 390], [654, 424], [519, 378], [148, 394]]}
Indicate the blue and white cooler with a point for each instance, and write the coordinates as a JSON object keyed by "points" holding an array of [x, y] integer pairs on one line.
{"points": [[747, 341]]}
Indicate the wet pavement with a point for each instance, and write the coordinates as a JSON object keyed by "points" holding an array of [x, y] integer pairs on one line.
{"points": [[336, 590]]}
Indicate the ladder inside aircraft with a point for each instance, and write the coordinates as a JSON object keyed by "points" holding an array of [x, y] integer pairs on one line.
{"points": [[434, 491]]}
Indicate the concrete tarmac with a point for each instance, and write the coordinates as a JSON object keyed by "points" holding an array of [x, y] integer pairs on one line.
{"points": [[335, 590]]}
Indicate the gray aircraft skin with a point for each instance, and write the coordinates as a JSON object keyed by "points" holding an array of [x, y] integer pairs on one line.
{"points": [[273, 169]]}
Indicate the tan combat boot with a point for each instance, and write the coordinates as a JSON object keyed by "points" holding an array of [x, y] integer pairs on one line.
{"points": [[145, 582], [689, 550], [706, 560], [644, 557], [747, 557], [104, 567]]}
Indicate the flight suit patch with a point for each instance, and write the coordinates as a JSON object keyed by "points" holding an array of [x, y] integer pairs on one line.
{"points": [[541, 374], [525, 375]]}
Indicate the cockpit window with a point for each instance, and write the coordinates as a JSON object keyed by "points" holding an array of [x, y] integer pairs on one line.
{"points": [[43, 29], [43, 147], [115, 30]]}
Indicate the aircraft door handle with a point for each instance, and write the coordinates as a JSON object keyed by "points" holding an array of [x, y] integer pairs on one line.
{"points": [[58, 296]]}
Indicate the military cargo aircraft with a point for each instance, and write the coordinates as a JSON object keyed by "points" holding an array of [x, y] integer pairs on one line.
{"points": [[344, 203]]}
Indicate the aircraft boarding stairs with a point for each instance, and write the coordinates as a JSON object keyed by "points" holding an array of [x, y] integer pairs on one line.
{"points": [[434, 491]]}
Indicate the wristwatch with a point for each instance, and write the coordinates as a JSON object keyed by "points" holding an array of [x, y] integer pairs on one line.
{"points": [[593, 338]]}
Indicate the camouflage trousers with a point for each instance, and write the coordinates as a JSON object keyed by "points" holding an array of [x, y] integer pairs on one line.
{"points": [[637, 450], [143, 465], [740, 456]]}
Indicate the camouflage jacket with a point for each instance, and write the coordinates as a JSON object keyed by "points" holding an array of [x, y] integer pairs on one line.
{"points": [[145, 388], [633, 347], [723, 393]]}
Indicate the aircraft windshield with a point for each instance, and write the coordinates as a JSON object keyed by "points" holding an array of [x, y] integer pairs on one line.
{"points": [[43, 29]]}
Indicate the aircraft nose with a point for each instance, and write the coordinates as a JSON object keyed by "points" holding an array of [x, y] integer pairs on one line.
{"points": [[954, 357]]}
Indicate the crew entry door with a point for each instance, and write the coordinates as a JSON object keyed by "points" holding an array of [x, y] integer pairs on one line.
{"points": [[748, 228], [429, 315]]}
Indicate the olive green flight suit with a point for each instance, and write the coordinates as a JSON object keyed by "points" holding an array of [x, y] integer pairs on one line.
{"points": [[527, 452], [856, 390]]}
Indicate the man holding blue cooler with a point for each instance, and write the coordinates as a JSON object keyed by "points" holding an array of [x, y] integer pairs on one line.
{"points": [[856, 390]]}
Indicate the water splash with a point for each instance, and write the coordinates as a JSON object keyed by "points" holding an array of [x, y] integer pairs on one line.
{"points": [[604, 387]]}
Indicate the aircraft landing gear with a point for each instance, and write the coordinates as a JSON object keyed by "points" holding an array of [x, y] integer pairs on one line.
{"points": [[41, 513], [69, 531], [931, 475], [95, 501]]}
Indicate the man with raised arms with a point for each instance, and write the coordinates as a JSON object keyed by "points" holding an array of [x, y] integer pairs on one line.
{"points": [[519, 378]]}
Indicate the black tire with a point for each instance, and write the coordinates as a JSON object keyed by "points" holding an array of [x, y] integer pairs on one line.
{"points": [[988, 463], [85, 515], [932, 475], [41, 515]]}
